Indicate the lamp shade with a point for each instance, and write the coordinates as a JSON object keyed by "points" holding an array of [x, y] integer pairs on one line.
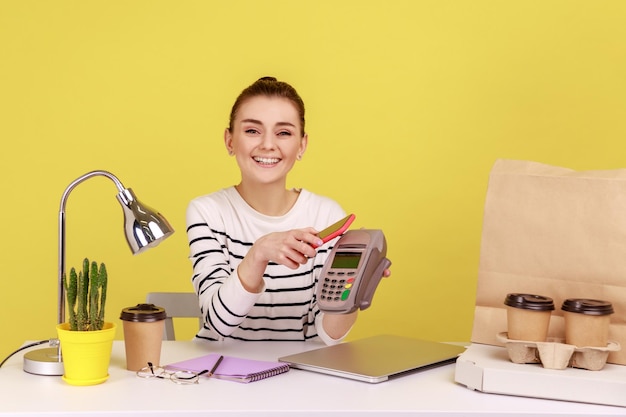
{"points": [[144, 227]]}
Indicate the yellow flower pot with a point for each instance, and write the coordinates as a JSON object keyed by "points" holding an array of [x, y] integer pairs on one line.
{"points": [[86, 355]]}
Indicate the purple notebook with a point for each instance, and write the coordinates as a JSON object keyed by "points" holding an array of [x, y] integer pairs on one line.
{"points": [[232, 368]]}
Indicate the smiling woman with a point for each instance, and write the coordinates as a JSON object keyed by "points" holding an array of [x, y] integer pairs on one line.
{"points": [[254, 246]]}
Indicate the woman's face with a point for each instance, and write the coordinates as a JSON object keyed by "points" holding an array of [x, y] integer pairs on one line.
{"points": [[265, 139]]}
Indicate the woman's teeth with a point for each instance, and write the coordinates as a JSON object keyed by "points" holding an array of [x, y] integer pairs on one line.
{"points": [[267, 161]]}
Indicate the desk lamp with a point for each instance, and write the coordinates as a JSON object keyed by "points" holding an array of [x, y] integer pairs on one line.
{"points": [[144, 228]]}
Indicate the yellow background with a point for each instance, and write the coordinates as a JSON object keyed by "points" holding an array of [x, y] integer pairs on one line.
{"points": [[409, 103]]}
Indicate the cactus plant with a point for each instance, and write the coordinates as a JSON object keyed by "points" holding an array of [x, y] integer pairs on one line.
{"points": [[86, 296]]}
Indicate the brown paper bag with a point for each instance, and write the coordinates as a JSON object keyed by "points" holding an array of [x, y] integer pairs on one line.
{"points": [[555, 232]]}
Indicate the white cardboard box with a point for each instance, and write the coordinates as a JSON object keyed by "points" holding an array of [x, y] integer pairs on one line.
{"points": [[488, 369]]}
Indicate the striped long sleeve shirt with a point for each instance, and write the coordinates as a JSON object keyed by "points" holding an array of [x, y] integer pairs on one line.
{"points": [[221, 228]]}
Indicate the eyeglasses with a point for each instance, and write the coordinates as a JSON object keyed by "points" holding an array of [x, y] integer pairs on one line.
{"points": [[179, 377]]}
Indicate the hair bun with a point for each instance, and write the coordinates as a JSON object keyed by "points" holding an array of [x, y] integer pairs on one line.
{"points": [[267, 79]]}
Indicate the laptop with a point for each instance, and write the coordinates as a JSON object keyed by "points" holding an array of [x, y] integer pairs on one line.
{"points": [[375, 359]]}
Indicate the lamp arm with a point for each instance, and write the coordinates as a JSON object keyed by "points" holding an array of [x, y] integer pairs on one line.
{"points": [[66, 193]]}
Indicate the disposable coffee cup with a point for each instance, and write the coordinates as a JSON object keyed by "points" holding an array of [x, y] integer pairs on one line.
{"points": [[143, 335], [587, 322], [528, 316]]}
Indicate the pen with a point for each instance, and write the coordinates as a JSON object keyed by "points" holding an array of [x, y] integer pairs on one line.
{"points": [[217, 363]]}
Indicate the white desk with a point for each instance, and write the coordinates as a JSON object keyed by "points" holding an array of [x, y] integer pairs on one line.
{"points": [[296, 393]]}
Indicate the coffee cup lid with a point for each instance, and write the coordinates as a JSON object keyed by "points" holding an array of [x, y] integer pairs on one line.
{"points": [[587, 306], [529, 302], [143, 313]]}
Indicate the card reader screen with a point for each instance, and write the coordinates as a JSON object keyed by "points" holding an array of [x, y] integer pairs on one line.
{"points": [[346, 260]]}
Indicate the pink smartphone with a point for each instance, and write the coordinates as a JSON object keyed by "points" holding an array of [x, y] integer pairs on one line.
{"points": [[336, 229]]}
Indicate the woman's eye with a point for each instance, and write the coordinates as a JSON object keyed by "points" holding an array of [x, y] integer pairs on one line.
{"points": [[284, 133], [251, 131]]}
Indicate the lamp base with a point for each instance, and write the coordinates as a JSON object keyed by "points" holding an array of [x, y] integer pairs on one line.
{"points": [[43, 362]]}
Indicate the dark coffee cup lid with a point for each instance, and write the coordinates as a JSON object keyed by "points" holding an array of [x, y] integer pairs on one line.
{"points": [[587, 306], [529, 302], [143, 313]]}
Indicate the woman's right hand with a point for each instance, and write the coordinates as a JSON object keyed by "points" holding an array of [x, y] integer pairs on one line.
{"points": [[291, 249]]}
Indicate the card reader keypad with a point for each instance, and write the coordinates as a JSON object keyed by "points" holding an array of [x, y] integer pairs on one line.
{"points": [[337, 286]]}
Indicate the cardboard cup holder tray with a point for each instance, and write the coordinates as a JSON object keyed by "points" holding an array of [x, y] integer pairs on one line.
{"points": [[554, 354]]}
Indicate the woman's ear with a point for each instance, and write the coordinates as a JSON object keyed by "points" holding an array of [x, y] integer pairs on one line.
{"points": [[303, 144], [228, 142]]}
